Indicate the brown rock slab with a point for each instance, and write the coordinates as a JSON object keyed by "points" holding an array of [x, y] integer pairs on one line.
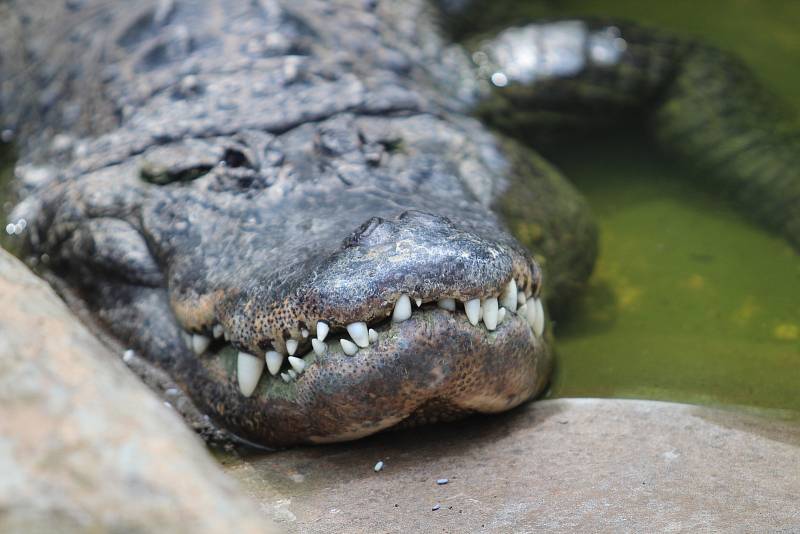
{"points": [[84, 446], [570, 465]]}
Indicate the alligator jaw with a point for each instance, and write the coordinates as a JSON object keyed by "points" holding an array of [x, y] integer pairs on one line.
{"points": [[433, 366], [412, 316]]}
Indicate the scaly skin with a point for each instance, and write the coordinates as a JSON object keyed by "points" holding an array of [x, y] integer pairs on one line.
{"points": [[256, 168]]}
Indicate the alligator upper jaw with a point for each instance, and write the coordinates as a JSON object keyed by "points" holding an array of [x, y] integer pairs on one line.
{"points": [[434, 365], [427, 361]]}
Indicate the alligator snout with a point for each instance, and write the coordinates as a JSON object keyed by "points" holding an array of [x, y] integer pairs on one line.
{"points": [[410, 311]]}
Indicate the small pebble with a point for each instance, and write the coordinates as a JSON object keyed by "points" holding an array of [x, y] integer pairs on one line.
{"points": [[442, 481], [378, 466], [435, 507]]}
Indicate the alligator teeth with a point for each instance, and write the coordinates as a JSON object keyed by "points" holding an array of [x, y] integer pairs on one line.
{"points": [[291, 346], [297, 364], [286, 378], [531, 311], [418, 302], [520, 298], [218, 331], [274, 361], [187, 339], [402, 309], [522, 311], [473, 310], [359, 333], [200, 343], [248, 370], [501, 315], [373, 336], [292, 373], [490, 313], [348, 346], [304, 333], [319, 346], [538, 325], [322, 330], [509, 297], [447, 304]]}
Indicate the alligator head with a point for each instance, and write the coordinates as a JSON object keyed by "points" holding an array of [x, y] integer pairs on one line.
{"points": [[297, 302]]}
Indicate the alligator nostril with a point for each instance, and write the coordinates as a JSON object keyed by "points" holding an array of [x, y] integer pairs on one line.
{"points": [[422, 216], [365, 231], [234, 158]]}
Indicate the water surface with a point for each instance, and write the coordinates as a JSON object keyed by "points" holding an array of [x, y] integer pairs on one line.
{"points": [[689, 302]]}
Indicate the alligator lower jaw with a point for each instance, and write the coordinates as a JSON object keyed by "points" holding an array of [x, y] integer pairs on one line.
{"points": [[433, 365]]}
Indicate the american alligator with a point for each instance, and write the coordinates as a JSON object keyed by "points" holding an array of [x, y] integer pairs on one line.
{"points": [[292, 208]]}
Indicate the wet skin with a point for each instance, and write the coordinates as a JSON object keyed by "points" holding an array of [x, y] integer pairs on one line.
{"points": [[237, 181]]}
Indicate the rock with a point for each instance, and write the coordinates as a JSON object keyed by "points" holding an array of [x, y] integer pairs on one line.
{"points": [[559, 465], [84, 446]]}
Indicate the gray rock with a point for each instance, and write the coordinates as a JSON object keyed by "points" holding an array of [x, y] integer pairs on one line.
{"points": [[563, 466], [86, 447]]}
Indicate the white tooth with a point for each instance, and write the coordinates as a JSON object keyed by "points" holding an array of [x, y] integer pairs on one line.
{"points": [[291, 346], [509, 297], [225, 336], [522, 311], [292, 373], [402, 309], [490, 313], [531, 313], [348, 346], [322, 330], [304, 333], [538, 325], [501, 315], [218, 331], [274, 362], [520, 298], [319, 346], [297, 364], [373, 336], [359, 333], [418, 302], [473, 310], [286, 378], [187, 338], [200, 343], [248, 370], [447, 304]]}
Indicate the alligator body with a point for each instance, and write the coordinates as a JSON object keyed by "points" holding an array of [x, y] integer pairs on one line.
{"points": [[290, 208]]}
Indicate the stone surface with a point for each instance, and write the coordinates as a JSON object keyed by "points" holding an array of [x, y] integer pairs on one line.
{"points": [[563, 466], [85, 447]]}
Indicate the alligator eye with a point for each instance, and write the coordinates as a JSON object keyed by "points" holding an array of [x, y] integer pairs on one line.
{"points": [[235, 158], [163, 176], [178, 163]]}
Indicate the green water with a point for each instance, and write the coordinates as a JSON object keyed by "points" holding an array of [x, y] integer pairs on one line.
{"points": [[6, 173], [689, 302]]}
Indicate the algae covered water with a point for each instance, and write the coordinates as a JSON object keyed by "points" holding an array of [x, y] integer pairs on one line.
{"points": [[689, 301]]}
